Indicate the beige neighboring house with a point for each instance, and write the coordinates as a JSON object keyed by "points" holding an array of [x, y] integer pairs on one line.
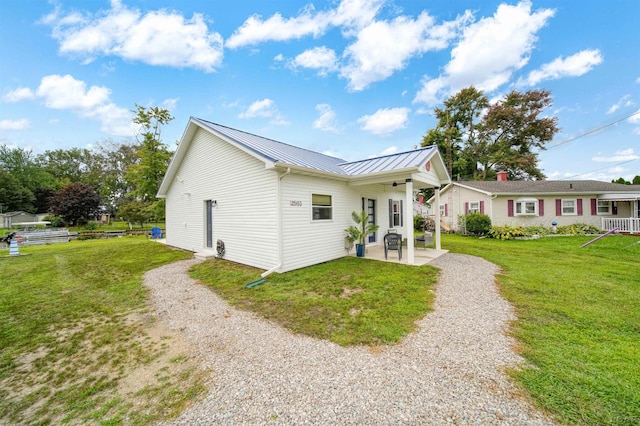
{"points": [[10, 219], [543, 203]]}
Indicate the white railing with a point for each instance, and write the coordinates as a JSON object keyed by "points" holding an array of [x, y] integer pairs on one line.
{"points": [[630, 225]]}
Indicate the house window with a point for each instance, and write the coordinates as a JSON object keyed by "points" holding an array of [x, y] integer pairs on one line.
{"points": [[474, 207], [396, 213], [569, 207], [321, 207], [604, 207], [443, 210], [526, 207]]}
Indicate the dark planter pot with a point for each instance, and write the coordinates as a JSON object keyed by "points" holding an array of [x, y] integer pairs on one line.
{"points": [[360, 250]]}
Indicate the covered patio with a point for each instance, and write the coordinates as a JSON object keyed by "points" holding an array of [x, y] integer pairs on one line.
{"points": [[420, 256]]}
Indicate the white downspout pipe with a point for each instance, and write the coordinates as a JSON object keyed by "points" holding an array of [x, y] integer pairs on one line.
{"points": [[279, 226], [408, 218]]}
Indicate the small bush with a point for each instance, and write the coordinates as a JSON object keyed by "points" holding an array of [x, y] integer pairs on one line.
{"points": [[418, 222], [91, 226], [507, 232], [478, 223], [56, 221], [578, 229]]}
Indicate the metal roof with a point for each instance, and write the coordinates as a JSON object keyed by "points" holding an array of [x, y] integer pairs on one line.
{"points": [[402, 160], [275, 151]]}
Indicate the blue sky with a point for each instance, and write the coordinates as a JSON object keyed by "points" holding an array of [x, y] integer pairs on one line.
{"points": [[350, 78]]}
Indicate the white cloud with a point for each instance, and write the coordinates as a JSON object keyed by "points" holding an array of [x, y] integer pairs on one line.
{"points": [[624, 155], [349, 14], [265, 108], [327, 119], [14, 124], [155, 37], [171, 103], [19, 94], [489, 52], [384, 47], [573, 66], [64, 92], [635, 118], [321, 58], [624, 101], [385, 121]]}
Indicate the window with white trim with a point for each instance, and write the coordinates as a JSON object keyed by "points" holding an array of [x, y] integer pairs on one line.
{"points": [[474, 207], [321, 206], [604, 207], [569, 208], [396, 212], [443, 210], [526, 207]]}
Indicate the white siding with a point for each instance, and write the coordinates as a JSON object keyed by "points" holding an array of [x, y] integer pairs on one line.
{"points": [[245, 217]]}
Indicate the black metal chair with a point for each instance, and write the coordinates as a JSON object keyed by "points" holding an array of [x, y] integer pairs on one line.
{"points": [[393, 242]]}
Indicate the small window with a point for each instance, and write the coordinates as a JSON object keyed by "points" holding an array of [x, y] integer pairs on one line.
{"points": [[321, 206], [569, 207], [604, 207], [396, 213], [474, 207], [443, 210], [526, 207]]}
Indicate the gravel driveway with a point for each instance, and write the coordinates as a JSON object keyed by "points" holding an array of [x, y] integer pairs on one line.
{"points": [[451, 370]]}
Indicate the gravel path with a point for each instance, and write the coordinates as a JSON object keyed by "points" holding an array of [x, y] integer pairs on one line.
{"points": [[451, 370]]}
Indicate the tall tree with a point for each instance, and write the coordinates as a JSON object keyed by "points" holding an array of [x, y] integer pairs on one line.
{"points": [[484, 137], [153, 154], [76, 203], [115, 159], [74, 165], [13, 195]]}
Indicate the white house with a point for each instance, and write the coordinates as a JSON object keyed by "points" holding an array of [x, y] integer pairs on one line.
{"points": [[541, 203], [218, 175]]}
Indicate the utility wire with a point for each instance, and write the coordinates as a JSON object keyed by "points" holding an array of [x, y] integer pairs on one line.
{"points": [[594, 130]]}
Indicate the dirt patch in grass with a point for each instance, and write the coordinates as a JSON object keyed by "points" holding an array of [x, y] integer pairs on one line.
{"points": [[131, 370]]}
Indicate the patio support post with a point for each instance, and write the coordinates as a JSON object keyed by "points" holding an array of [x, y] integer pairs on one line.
{"points": [[408, 219], [437, 209]]}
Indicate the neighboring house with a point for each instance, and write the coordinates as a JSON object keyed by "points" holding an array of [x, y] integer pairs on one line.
{"points": [[9, 219], [543, 202], [280, 207]]}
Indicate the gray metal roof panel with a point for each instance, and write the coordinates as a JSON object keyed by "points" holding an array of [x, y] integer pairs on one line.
{"points": [[275, 151], [384, 163]]}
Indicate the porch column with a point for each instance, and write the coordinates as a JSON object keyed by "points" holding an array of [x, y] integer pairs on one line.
{"points": [[437, 208], [408, 219]]}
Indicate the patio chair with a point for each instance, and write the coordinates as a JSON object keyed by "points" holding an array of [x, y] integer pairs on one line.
{"points": [[393, 242], [156, 233], [424, 240]]}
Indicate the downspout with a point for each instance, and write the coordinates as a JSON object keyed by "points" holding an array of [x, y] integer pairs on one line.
{"points": [[279, 226]]}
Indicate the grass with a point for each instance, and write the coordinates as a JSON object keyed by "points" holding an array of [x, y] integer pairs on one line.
{"points": [[349, 301], [69, 337], [578, 321]]}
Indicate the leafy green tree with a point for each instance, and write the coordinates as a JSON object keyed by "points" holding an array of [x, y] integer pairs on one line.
{"points": [[26, 174], [636, 180], [135, 211], [115, 159], [481, 138], [76, 203], [13, 195], [75, 165], [153, 155]]}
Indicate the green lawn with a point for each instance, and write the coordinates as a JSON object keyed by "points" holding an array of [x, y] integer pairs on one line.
{"points": [[67, 341], [578, 321], [348, 301]]}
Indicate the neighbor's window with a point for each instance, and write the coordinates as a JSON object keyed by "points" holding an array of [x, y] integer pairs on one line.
{"points": [[569, 207], [526, 207], [474, 207], [604, 207], [321, 206], [443, 210]]}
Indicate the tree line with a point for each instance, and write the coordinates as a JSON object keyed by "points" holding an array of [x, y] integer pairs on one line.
{"points": [[117, 178]]}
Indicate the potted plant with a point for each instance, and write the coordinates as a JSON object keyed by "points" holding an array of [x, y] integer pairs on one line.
{"points": [[358, 232]]}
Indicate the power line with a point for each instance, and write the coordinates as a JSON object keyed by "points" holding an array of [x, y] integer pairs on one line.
{"points": [[594, 130], [603, 168]]}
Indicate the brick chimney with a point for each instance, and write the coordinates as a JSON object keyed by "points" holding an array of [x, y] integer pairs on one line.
{"points": [[502, 176]]}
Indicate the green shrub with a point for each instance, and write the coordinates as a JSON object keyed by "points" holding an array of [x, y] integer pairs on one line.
{"points": [[418, 222], [478, 223], [507, 232], [578, 229], [90, 226], [56, 221]]}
